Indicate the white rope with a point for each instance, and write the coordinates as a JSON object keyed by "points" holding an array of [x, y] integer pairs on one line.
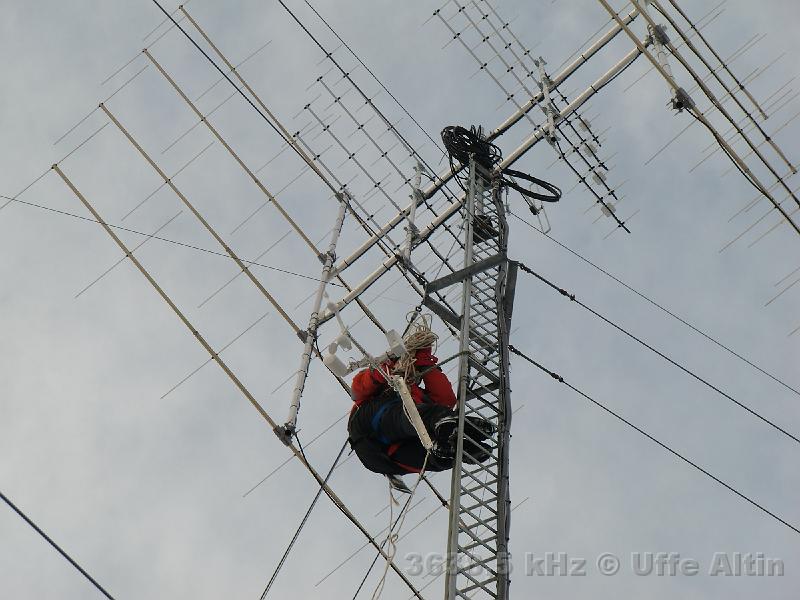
{"points": [[393, 535], [403, 374], [419, 336]]}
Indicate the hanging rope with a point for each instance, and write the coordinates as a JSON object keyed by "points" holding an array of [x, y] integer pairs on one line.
{"points": [[418, 335], [391, 544], [394, 534]]}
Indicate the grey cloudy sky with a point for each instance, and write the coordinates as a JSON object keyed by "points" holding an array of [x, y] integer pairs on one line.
{"points": [[146, 491]]}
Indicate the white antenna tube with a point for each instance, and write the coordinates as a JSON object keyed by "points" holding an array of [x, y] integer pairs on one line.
{"points": [[416, 197], [442, 178], [285, 432]]}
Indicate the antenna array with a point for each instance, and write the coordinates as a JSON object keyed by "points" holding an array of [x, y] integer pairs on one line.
{"points": [[397, 212]]}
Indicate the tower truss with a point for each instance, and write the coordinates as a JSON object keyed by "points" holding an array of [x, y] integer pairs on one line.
{"points": [[477, 556]]}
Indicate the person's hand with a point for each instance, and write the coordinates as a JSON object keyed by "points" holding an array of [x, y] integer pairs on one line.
{"points": [[425, 358]]}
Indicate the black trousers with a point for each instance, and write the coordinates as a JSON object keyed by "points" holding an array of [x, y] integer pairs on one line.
{"points": [[380, 423]]}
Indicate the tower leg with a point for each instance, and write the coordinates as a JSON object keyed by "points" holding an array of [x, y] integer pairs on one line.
{"points": [[477, 558]]}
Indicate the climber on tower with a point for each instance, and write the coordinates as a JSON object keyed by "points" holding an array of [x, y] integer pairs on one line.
{"points": [[381, 434]]}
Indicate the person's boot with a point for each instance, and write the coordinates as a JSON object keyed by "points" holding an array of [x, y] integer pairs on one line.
{"points": [[444, 430], [475, 427], [476, 452], [478, 428], [443, 449]]}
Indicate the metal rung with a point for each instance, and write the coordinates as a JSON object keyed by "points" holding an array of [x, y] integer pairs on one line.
{"points": [[494, 386]]}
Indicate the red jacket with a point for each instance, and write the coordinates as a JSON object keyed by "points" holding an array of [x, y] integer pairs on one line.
{"points": [[369, 382]]}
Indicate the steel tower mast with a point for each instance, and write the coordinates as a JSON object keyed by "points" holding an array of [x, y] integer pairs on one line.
{"points": [[477, 556]]}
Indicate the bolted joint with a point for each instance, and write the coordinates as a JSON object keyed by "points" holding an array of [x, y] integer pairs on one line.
{"points": [[682, 100], [413, 230], [284, 433], [344, 195], [405, 263], [659, 33]]}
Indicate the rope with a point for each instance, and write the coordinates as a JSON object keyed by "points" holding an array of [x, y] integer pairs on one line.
{"points": [[393, 535], [417, 336], [391, 545], [420, 335]]}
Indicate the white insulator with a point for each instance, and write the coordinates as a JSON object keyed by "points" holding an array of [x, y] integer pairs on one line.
{"points": [[396, 346], [335, 364], [343, 341], [599, 177]]}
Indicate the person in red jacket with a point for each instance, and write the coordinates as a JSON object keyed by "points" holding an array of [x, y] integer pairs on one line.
{"points": [[385, 440]]}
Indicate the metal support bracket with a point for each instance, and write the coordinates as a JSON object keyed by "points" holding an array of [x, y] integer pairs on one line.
{"points": [[510, 290], [444, 313], [462, 274]]}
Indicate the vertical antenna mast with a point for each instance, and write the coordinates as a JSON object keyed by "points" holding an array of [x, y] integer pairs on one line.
{"points": [[477, 556]]}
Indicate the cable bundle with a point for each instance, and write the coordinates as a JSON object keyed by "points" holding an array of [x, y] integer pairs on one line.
{"points": [[463, 144]]}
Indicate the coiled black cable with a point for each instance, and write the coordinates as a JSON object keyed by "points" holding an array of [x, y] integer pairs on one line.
{"points": [[462, 144]]}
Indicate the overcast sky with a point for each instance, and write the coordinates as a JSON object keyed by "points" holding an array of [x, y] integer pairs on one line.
{"points": [[143, 485]]}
